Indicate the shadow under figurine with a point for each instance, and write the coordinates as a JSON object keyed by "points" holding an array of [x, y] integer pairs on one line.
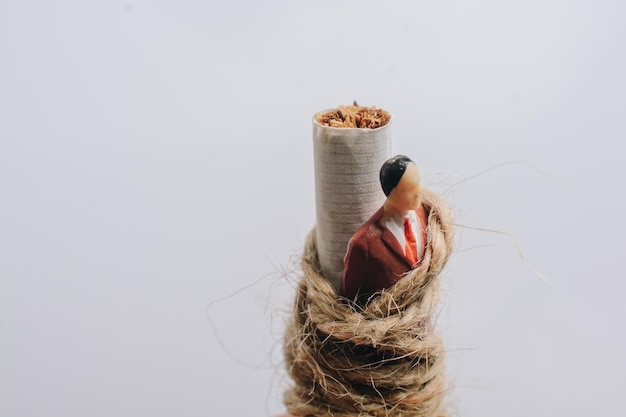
{"points": [[393, 240]]}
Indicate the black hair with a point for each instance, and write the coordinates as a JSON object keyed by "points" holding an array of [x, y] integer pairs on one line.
{"points": [[391, 172]]}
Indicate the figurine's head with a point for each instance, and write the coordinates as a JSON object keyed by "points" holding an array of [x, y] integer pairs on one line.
{"points": [[400, 180]]}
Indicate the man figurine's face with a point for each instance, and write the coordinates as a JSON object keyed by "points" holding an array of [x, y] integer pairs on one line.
{"points": [[407, 194]]}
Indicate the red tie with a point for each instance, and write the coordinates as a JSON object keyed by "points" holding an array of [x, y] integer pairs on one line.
{"points": [[410, 247]]}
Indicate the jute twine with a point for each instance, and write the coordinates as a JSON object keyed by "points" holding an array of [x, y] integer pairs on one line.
{"points": [[379, 359]]}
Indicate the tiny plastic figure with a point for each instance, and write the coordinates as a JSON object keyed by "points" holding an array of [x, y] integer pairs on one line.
{"points": [[393, 240]]}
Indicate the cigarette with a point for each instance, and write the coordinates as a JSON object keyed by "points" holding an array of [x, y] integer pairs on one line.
{"points": [[350, 144]]}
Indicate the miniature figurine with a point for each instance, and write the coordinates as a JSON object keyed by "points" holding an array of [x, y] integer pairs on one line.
{"points": [[393, 240]]}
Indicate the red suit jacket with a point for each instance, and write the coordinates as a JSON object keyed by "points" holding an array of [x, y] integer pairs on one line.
{"points": [[375, 259]]}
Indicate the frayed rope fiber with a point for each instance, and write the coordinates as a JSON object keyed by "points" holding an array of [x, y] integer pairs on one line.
{"points": [[379, 359]]}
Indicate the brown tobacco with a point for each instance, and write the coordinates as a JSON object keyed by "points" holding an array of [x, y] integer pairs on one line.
{"points": [[354, 116]]}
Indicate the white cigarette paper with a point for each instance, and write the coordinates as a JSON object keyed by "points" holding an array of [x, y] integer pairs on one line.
{"points": [[347, 187]]}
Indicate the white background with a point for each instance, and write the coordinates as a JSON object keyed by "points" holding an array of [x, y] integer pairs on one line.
{"points": [[156, 185]]}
